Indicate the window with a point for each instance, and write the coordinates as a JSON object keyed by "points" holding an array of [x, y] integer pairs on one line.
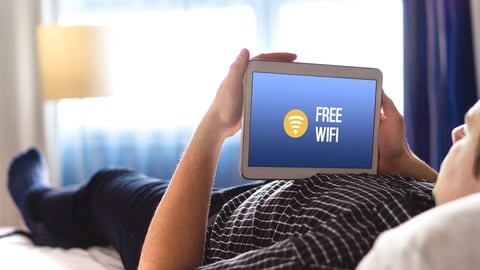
{"points": [[357, 33], [170, 56]]}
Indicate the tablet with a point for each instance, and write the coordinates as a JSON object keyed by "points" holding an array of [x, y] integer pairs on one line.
{"points": [[301, 119]]}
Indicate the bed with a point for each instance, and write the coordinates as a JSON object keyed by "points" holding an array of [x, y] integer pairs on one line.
{"points": [[446, 237], [18, 252]]}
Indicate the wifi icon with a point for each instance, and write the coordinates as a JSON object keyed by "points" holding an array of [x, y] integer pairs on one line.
{"points": [[295, 123]]}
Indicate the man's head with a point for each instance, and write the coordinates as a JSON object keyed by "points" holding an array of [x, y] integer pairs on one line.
{"points": [[460, 171]]}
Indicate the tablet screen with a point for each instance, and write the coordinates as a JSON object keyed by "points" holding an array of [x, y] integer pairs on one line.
{"points": [[325, 123]]}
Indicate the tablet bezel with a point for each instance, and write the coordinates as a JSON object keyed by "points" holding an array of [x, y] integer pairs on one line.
{"points": [[268, 66]]}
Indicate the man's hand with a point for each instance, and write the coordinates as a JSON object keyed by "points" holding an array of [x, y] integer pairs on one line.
{"points": [[392, 144], [226, 109], [394, 154]]}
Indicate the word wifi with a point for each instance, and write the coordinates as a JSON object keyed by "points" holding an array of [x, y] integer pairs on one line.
{"points": [[328, 115]]}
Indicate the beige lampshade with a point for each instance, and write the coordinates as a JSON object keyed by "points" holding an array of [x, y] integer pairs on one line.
{"points": [[73, 61]]}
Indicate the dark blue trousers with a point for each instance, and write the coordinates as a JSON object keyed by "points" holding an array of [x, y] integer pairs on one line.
{"points": [[114, 208]]}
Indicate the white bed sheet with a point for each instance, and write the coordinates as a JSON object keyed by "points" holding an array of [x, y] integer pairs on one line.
{"points": [[18, 252]]}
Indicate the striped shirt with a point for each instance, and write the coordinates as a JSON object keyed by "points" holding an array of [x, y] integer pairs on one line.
{"points": [[323, 222]]}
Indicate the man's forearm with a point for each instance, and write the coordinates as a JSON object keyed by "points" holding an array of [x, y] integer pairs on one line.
{"points": [[176, 235], [413, 166]]}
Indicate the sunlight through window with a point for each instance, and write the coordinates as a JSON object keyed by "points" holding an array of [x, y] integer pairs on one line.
{"points": [[169, 57], [357, 33]]}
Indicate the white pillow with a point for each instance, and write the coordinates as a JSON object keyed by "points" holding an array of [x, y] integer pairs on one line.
{"points": [[445, 237]]}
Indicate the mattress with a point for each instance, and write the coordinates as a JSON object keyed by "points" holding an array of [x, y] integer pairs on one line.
{"points": [[18, 252]]}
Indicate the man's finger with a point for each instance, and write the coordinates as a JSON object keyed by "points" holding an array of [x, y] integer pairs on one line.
{"points": [[239, 66], [279, 56], [388, 106]]}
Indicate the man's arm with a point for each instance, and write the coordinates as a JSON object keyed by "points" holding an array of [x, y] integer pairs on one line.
{"points": [[176, 235], [175, 238], [395, 156]]}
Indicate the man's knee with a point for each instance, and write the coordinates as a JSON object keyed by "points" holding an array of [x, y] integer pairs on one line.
{"points": [[108, 179]]}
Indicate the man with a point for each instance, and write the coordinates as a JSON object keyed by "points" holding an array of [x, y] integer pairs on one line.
{"points": [[326, 221]]}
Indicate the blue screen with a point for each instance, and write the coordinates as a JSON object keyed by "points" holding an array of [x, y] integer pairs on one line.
{"points": [[338, 129]]}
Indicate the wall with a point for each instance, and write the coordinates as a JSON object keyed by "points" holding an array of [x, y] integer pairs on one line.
{"points": [[20, 105]]}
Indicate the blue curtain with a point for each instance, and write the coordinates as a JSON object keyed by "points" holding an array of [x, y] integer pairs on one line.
{"points": [[439, 74]]}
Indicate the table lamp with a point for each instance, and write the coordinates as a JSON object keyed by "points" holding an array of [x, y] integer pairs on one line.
{"points": [[73, 61]]}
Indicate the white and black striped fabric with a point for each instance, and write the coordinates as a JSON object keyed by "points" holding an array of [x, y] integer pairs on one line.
{"points": [[323, 222]]}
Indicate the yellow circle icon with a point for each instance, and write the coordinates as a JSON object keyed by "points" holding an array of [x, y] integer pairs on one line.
{"points": [[295, 123]]}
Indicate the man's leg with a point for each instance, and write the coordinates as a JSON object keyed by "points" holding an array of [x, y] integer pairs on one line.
{"points": [[27, 180], [114, 208], [121, 204]]}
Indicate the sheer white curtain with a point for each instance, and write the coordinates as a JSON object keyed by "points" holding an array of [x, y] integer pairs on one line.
{"points": [[170, 57], [21, 123], [168, 64]]}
